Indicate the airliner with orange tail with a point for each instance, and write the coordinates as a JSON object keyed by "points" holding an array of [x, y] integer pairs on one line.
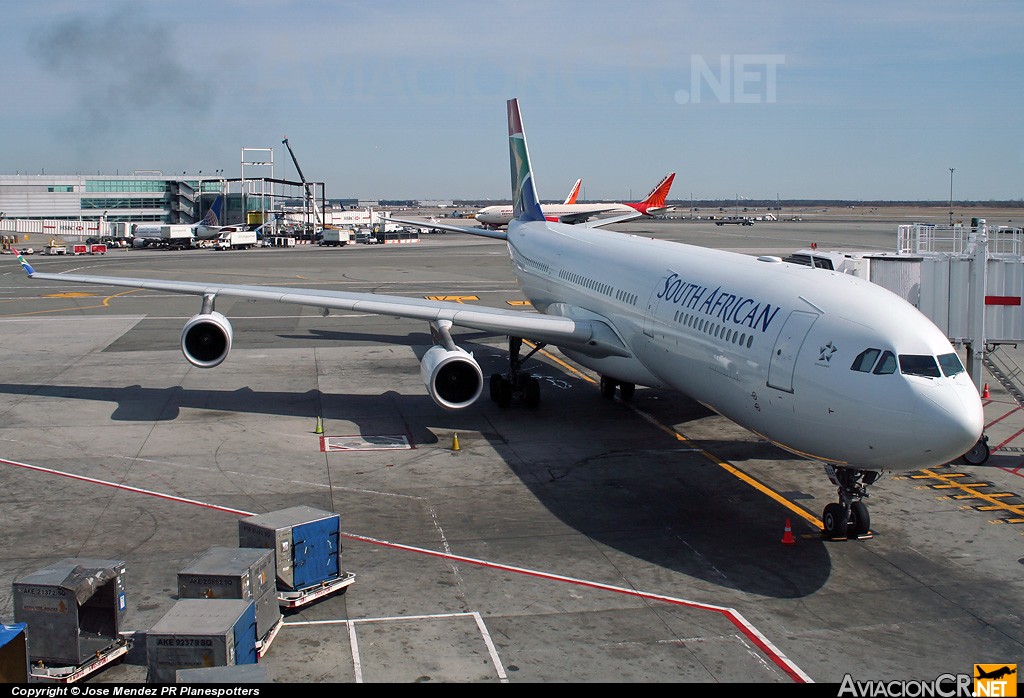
{"points": [[571, 212]]}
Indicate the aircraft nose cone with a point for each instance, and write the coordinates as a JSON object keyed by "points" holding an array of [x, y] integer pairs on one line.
{"points": [[949, 421]]}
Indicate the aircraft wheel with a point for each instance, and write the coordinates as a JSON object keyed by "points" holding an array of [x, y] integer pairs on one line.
{"points": [[504, 398], [835, 521], [607, 387], [978, 454], [495, 380], [531, 392], [860, 520], [626, 390]]}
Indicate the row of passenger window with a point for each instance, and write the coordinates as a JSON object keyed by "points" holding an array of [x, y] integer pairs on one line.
{"points": [[600, 287], [885, 362], [714, 329]]}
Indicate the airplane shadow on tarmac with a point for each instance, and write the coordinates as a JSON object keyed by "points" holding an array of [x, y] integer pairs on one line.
{"points": [[631, 487]]}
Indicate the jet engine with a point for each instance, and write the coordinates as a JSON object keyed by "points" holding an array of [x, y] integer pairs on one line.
{"points": [[206, 339], [452, 377]]}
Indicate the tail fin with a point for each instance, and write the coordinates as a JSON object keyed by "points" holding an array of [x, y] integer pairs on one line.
{"points": [[525, 204], [213, 216], [656, 198], [573, 193]]}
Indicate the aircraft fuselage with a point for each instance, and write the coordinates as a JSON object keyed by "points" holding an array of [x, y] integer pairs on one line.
{"points": [[767, 344]]}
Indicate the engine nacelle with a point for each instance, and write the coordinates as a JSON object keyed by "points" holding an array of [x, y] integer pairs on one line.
{"points": [[206, 339], [453, 377]]}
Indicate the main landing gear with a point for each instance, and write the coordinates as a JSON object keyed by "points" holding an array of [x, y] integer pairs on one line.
{"points": [[608, 386], [516, 383], [848, 518]]}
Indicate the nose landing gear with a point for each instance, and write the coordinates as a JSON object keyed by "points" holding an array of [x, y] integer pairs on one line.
{"points": [[848, 518]]}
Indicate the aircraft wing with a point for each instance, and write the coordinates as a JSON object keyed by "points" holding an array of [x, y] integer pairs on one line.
{"points": [[587, 335], [612, 219], [577, 218], [481, 232]]}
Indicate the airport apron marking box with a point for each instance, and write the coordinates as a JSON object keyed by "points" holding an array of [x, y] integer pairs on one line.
{"points": [[235, 573], [306, 544], [74, 609], [201, 633]]}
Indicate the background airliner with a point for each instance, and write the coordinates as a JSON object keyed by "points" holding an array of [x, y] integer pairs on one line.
{"points": [[206, 229], [571, 212], [822, 364]]}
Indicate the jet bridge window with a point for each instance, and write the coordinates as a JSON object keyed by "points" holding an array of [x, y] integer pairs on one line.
{"points": [[950, 364], [919, 365]]}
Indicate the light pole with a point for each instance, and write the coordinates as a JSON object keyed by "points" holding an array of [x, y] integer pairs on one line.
{"points": [[951, 196]]}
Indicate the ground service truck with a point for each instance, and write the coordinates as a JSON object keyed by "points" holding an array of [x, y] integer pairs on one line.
{"points": [[236, 240], [337, 237]]}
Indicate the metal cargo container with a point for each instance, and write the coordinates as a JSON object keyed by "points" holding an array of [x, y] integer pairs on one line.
{"points": [[228, 573], [306, 543], [13, 653], [74, 608], [235, 573], [201, 633]]}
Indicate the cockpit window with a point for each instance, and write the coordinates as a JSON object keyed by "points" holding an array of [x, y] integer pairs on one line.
{"points": [[887, 364], [950, 364], [919, 365], [865, 360]]}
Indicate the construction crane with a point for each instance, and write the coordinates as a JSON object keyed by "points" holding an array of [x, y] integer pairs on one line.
{"points": [[310, 198]]}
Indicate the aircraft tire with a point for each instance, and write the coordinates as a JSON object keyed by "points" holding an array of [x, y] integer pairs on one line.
{"points": [[626, 391], [531, 392], [979, 454], [835, 521], [860, 519], [495, 380], [504, 398], [607, 387]]}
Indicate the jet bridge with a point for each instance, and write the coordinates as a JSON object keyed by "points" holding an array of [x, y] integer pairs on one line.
{"points": [[968, 280]]}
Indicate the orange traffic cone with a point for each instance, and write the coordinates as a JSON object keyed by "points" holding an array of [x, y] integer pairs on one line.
{"points": [[787, 537], [984, 393]]}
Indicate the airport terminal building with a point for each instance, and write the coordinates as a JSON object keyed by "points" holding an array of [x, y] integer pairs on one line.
{"points": [[139, 197]]}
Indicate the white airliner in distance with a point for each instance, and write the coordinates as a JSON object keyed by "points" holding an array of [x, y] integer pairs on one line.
{"points": [[572, 212], [208, 228], [825, 365]]}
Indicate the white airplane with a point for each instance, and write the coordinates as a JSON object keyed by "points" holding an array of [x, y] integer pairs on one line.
{"points": [[572, 212], [209, 228], [825, 365]]}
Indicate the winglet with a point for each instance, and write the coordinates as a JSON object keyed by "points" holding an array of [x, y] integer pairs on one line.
{"points": [[525, 204], [26, 266]]}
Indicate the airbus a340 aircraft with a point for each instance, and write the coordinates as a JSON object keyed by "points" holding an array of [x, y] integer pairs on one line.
{"points": [[572, 212], [825, 365]]}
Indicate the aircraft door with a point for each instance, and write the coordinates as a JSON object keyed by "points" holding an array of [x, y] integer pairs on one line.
{"points": [[654, 301], [787, 348]]}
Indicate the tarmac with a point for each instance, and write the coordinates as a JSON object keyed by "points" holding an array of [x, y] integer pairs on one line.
{"points": [[587, 541]]}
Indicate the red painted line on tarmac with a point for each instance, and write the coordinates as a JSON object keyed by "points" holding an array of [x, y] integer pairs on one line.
{"points": [[999, 419], [732, 615], [748, 631], [1014, 436], [128, 488]]}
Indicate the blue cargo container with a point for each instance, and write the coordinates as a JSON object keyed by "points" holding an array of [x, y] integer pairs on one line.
{"points": [[199, 633], [306, 544]]}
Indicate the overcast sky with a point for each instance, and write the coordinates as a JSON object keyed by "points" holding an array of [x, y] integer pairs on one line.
{"points": [[393, 99]]}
